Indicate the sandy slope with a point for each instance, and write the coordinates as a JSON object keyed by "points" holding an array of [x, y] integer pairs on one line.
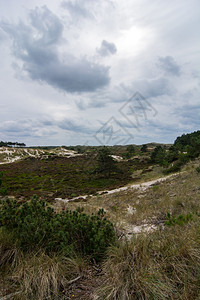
{"points": [[9, 155]]}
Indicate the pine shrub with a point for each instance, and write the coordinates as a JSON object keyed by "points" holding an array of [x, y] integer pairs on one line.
{"points": [[36, 225]]}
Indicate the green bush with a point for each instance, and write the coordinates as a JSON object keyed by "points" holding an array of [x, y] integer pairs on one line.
{"points": [[4, 190], [1, 175], [36, 225], [180, 220], [198, 169], [175, 168]]}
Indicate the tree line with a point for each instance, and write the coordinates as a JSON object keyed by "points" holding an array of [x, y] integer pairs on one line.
{"points": [[185, 148], [12, 144]]}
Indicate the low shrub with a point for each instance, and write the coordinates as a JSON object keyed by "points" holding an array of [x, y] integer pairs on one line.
{"points": [[3, 191], [180, 220], [1, 175], [175, 168], [198, 169], [36, 225]]}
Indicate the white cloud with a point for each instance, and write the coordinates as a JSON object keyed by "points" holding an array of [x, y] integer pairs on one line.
{"points": [[61, 81]]}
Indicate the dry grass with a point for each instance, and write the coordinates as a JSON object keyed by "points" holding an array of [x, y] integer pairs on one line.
{"points": [[44, 277], [10, 254], [162, 265], [36, 275]]}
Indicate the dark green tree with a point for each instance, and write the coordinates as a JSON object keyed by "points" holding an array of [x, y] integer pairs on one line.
{"points": [[158, 155], [144, 148], [189, 143], [106, 164], [130, 150]]}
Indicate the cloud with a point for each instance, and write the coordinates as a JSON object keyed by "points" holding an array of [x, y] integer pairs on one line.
{"points": [[47, 24], [189, 115], [106, 48], [41, 127], [26, 128], [148, 88], [74, 126], [66, 46], [154, 87], [2, 35], [76, 9], [83, 105], [169, 65], [36, 45]]}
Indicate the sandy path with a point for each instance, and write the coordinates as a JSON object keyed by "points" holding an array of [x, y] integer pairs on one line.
{"points": [[141, 186]]}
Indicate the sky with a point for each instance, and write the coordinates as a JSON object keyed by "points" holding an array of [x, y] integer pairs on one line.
{"points": [[99, 72]]}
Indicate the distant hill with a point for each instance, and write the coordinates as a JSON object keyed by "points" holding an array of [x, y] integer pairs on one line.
{"points": [[12, 154]]}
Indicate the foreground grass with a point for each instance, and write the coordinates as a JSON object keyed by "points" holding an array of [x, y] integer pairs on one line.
{"points": [[36, 275], [42, 251], [162, 265]]}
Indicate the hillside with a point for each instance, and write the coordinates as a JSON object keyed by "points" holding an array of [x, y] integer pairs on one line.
{"points": [[141, 215], [101, 223], [161, 222], [10, 155]]}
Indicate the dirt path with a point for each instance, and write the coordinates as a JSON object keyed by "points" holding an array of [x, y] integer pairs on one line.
{"points": [[141, 186]]}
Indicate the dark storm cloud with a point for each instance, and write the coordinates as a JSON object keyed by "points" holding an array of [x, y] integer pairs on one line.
{"points": [[107, 48], [169, 65], [36, 46]]}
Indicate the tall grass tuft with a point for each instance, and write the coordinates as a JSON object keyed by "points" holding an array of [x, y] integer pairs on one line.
{"points": [[10, 254], [43, 277], [163, 265]]}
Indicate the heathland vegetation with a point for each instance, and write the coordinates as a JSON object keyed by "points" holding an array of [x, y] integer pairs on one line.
{"points": [[138, 242]]}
